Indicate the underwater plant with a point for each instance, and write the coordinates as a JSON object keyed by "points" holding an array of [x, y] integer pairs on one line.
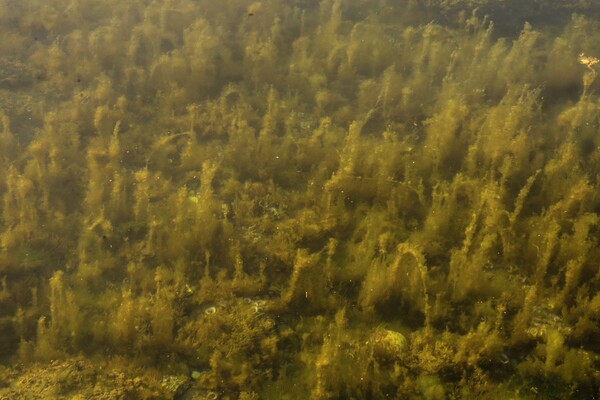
{"points": [[311, 199]]}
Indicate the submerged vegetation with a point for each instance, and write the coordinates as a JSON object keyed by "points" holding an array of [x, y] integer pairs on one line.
{"points": [[302, 199]]}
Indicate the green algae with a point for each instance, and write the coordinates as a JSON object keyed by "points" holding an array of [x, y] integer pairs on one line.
{"points": [[304, 200]]}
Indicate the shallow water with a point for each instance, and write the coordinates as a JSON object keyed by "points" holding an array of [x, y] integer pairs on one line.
{"points": [[292, 200]]}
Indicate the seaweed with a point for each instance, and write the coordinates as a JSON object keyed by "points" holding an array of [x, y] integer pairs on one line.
{"points": [[315, 199]]}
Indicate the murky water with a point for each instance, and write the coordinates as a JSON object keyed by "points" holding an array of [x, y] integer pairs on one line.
{"points": [[299, 199]]}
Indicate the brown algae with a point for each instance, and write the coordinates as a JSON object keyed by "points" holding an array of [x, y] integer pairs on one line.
{"points": [[292, 200]]}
